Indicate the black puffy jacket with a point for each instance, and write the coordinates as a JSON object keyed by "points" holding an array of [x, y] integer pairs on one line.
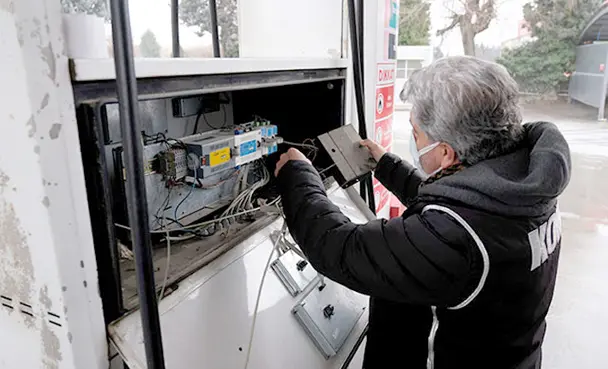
{"points": [[464, 278]]}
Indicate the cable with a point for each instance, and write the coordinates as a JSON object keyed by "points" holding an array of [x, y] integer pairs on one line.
{"points": [[312, 154], [198, 117], [326, 169], [163, 206], [167, 264], [308, 146], [197, 225], [257, 301], [185, 197]]}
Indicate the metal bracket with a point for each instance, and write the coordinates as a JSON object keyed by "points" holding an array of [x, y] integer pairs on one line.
{"points": [[353, 161]]}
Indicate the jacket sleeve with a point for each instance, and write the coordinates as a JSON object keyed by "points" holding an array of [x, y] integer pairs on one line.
{"points": [[399, 177], [404, 260]]}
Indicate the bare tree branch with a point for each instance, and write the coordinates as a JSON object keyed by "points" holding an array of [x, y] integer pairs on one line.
{"points": [[455, 21], [485, 14]]}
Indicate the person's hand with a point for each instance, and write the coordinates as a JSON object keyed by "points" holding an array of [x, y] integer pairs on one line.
{"points": [[376, 150], [291, 154]]}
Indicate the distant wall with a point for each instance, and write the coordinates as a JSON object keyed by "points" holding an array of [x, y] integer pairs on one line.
{"points": [[410, 59], [586, 82]]}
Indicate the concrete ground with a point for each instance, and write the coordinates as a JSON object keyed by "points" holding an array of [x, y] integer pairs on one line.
{"points": [[578, 321]]}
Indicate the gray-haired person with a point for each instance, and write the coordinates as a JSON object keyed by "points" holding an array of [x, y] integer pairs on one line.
{"points": [[464, 278]]}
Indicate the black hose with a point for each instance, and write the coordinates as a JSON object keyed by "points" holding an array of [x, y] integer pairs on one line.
{"points": [[353, 352], [356, 41], [126, 87], [214, 29]]}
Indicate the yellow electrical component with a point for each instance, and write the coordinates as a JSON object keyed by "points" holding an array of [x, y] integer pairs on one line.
{"points": [[220, 156]]}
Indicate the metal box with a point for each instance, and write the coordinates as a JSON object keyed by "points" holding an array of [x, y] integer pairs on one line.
{"points": [[328, 315]]}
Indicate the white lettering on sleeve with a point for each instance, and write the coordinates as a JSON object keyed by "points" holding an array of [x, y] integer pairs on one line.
{"points": [[544, 239]]}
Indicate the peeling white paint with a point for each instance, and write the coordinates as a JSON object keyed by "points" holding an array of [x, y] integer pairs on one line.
{"points": [[44, 226]]}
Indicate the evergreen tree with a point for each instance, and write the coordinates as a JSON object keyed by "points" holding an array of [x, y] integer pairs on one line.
{"points": [[414, 22], [545, 63], [94, 7]]}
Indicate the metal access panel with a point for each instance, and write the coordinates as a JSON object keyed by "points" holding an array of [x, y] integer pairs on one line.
{"points": [[294, 272], [328, 314], [353, 161]]}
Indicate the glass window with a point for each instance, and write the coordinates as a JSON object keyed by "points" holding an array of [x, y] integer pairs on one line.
{"points": [[400, 73], [414, 64], [195, 14], [401, 64], [410, 72], [151, 26]]}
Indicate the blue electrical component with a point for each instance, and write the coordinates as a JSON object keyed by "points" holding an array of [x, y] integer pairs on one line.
{"points": [[248, 147]]}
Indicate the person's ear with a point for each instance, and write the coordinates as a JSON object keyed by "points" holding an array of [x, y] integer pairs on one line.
{"points": [[448, 156]]}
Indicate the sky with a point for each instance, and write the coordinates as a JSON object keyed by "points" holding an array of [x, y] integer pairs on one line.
{"points": [[155, 15], [502, 28]]}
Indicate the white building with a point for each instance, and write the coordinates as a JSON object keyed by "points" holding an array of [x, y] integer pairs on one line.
{"points": [[410, 59]]}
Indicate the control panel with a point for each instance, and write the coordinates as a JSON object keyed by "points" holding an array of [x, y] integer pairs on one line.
{"points": [[203, 155]]}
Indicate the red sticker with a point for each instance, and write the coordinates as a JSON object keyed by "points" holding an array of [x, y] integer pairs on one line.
{"points": [[383, 132], [385, 103]]}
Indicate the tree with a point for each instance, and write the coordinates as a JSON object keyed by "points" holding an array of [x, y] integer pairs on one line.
{"points": [[94, 7], [545, 63], [149, 46], [474, 18], [414, 22], [196, 13]]}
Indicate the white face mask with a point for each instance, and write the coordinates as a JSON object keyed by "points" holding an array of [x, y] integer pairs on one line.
{"points": [[416, 155]]}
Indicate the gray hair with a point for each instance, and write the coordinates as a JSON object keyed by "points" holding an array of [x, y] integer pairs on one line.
{"points": [[468, 103]]}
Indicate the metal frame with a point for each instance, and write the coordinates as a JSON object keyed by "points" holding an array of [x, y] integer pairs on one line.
{"points": [[136, 191], [91, 136], [93, 132], [125, 90], [175, 28], [155, 88]]}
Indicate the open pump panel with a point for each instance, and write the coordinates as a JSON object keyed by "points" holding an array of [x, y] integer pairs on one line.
{"points": [[213, 209]]}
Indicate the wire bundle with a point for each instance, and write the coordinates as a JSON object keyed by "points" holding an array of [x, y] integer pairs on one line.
{"points": [[244, 200]]}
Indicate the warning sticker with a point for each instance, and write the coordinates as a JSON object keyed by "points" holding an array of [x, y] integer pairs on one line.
{"points": [[220, 156], [384, 101], [384, 132]]}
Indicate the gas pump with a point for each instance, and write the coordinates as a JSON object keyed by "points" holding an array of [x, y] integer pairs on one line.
{"points": [[143, 224]]}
